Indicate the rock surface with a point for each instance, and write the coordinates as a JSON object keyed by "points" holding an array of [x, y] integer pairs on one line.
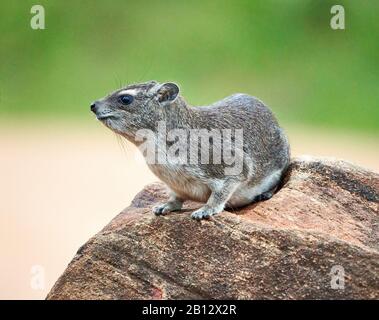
{"points": [[324, 216]]}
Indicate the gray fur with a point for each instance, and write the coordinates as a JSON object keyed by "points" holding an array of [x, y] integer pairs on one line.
{"points": [[265, 146]]}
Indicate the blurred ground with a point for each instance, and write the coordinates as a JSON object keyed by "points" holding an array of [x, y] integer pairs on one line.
{"points": [[60, 184]]}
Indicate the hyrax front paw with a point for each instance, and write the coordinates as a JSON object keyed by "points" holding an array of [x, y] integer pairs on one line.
{"points": [[165, 208], [204, 213], [161, 209]]}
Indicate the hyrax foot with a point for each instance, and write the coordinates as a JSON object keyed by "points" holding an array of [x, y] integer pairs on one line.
{"points": [[165, 208], [264, 196], [204, 213]]}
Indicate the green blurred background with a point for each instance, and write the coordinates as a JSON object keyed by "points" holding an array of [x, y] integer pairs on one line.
{"points": [[283, 52]]}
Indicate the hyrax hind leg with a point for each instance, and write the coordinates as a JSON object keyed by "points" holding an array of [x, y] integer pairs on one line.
{"points": [[220, 194], [268, 187], [265, 195], [263, 190]]}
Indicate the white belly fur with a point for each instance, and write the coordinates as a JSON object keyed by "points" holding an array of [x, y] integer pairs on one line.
{"points": [[191, 188], [185, 186]]}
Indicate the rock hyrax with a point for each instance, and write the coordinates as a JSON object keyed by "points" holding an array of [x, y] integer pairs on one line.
{"points": [[227, 154]]}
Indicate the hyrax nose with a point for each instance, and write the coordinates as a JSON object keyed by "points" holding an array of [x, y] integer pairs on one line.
{"points": [[94, 107]]}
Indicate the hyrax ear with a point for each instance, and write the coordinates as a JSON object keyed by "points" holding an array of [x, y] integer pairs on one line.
{"points": [[167, 92]]}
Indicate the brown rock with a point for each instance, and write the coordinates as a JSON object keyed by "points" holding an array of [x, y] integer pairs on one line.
{"points": [[325, 215]]}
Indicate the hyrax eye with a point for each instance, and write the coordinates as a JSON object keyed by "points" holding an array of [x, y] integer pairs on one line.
{"points": [[126, 99]]}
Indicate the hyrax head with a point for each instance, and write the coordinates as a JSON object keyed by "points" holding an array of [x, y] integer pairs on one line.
{"points": [[135, 107]]}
